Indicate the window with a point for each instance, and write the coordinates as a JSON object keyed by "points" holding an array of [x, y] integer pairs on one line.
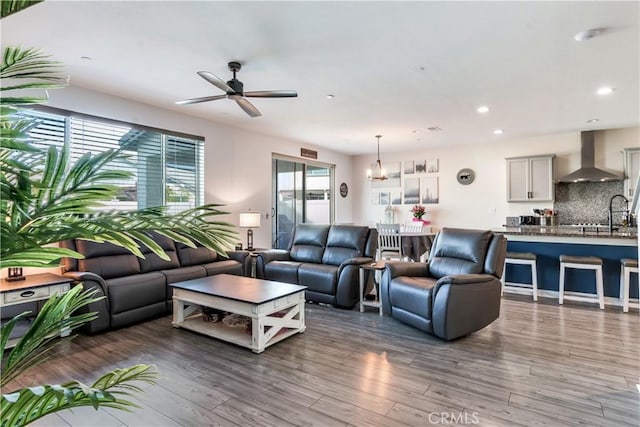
{"points": [[166, 169]]}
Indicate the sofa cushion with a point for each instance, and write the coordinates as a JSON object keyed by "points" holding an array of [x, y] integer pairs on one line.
{"points": [[412, 294], [138, 290], [164, 242], [344, 242], [94, 249], [458, 251], [181, 274], [282, 271], [111, 266], [319, 277], [308, 242], [224, 267], [152, 262], [195, 256]]}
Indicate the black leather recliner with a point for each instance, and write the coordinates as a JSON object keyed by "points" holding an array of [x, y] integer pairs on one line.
{"points": [[137, 289], [456, 292], [324, 258]]}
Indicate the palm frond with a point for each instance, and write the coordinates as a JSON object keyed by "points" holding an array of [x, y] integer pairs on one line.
{"points": [[110, 390], [18, 63], [36, 344], [10, 7]]}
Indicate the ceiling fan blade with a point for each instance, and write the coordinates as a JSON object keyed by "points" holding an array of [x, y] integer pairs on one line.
{"points": [[272, 94], [248, 107], [215, 80], [198, 100]]}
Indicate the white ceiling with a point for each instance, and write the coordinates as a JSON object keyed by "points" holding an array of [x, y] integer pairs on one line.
{"points": [[395, 68]]}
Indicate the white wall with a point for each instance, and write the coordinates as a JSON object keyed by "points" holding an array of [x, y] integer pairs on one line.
{"points": [[483, 203], [237, 162], [238, 166]]}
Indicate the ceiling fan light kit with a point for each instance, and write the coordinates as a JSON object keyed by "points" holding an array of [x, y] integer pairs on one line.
{"points": [[234, 90], [381, 173]]}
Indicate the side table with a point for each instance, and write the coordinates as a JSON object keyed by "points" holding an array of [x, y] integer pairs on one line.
{"points": [[374, 266], [253, 254], [36, 287]]}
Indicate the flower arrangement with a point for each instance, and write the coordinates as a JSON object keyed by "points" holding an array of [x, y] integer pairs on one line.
{"points": [[418, 211]]}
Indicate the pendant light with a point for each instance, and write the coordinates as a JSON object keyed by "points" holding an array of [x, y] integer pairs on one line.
{"points": [[380, 172]]}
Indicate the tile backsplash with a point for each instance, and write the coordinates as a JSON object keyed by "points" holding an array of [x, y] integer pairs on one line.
{"points": [[586, 202]]}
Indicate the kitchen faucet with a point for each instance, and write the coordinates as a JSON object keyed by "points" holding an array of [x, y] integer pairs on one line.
{"points": [[611, 211]]}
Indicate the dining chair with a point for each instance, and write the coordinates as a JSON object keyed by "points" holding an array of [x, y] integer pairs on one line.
{"points": [[413, 227], [389, 244]]}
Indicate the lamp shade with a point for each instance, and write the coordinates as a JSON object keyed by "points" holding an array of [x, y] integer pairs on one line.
{"points": [[250, 219]]}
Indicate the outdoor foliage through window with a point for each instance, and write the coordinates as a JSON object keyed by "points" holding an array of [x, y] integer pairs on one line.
{"points": [[166, 169]]}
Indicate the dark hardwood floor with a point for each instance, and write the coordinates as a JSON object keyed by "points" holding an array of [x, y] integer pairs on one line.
{"points": [[539, 364]]}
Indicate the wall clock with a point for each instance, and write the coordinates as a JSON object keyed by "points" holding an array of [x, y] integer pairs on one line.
{"points": [[465, 176], [344, 189]]}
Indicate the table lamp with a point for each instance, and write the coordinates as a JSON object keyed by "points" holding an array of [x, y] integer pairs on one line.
{"points": [[250, 220]]}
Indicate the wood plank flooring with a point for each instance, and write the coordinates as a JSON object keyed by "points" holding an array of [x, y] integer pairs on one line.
{"points": [[539, 364]]}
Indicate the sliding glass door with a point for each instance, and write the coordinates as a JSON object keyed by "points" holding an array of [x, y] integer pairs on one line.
{"points": [[302, 193]]}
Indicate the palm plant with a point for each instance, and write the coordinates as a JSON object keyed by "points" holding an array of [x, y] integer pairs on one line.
{"points": [[45, 198], [26, 405]]}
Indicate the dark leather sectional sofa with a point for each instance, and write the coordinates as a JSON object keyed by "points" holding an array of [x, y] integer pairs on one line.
{"points": [[456, 292], [326, 259], [138, 289]]}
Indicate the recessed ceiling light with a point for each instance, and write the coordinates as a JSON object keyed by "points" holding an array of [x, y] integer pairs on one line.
{"points": [[593, 120], [482, 109], [588, 34], [606, 90], [498, 132], [330, 96]]}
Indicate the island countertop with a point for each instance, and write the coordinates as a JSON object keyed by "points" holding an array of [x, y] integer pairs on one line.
{"points": [[570, 234]]}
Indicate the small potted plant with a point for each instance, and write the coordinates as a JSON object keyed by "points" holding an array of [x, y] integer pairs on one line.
{"points": [[418, 212]]}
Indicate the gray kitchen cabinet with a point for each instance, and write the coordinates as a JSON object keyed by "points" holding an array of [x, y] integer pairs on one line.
{"points": [[530, 179], [631, 170]]}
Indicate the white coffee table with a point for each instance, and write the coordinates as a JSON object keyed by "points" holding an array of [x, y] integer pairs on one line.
{"points": [[276, 309]]}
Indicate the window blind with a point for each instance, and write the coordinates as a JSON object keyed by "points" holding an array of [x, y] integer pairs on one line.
{"points": [[165, 169]]}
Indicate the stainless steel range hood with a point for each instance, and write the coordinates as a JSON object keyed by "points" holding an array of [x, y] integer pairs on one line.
{"points": [[588, 172]]}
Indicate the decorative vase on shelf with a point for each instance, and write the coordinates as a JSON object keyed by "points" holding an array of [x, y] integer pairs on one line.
{"points": [[389, 216]]}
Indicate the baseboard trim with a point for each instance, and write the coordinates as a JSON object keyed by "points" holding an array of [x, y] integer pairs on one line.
{"points": [[546, 293]]}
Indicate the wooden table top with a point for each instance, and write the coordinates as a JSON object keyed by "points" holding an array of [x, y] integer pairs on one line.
{"points": [[240, 288], [33, 281], [378, 265]]}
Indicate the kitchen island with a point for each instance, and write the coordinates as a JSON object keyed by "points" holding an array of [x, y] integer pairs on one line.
{"points": [[548, 243]]}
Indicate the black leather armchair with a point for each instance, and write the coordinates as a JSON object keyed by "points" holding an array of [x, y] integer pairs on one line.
{"points": [[456, 292]]}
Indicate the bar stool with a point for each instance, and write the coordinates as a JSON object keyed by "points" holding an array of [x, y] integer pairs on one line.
{"points": [[583, 263], [627, 266], [522, 258]]}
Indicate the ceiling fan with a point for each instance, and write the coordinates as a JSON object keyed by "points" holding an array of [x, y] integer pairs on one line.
{"points": [[234, 90]]}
